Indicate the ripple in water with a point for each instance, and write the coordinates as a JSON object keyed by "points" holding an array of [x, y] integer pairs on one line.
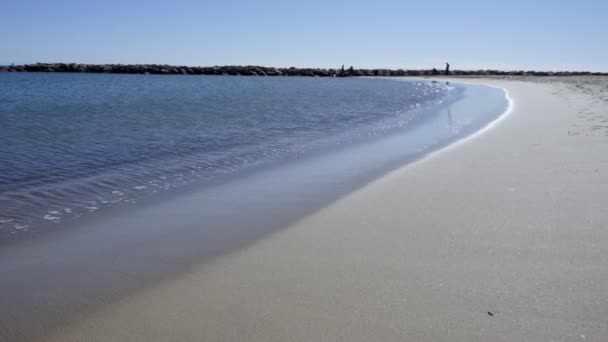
{"points": [[73, 144]]}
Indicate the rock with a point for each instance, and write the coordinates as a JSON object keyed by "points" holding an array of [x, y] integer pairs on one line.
{"points": [[262, 71]]}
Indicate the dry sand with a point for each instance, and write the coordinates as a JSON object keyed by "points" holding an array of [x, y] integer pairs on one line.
{"points": [[503, 237]]}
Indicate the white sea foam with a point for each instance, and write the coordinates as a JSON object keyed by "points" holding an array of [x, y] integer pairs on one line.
{"points": [[51, 217]]}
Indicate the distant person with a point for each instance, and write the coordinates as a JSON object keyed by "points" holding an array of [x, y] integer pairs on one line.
{"points": [[447, 68]]}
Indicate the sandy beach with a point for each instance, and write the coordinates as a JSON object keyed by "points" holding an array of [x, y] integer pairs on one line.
{"points": [[500, 237]]}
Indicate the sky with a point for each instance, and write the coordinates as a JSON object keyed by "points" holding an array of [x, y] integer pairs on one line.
{"points": [[469, 34]]}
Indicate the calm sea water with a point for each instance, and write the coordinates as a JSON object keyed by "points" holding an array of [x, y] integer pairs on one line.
{"points": [[73, 144]]}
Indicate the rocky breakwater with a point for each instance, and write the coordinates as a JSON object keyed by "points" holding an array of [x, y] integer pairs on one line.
{"points": [[162, 69], [159, 69]]}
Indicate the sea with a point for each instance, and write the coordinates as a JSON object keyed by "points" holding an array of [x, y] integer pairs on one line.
{"points": [[73, 146]]}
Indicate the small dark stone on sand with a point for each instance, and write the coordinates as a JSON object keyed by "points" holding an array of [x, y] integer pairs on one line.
{"points": [[491, 314]]}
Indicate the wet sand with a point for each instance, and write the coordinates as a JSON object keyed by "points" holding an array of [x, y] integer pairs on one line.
{"points": [[500, 237]]}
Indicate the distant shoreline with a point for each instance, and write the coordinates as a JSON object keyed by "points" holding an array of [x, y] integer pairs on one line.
{"points": [[158, 69]]}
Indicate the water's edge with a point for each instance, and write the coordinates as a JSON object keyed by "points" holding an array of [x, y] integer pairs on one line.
{"points": [[107, 257]]}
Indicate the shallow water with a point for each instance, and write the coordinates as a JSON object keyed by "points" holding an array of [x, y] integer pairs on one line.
{"points": [[73, 144], [101, 257]]}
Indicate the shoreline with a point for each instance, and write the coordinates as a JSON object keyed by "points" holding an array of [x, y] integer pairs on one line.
{"points": [[500, 239], [116, 254], [22, 223], [478, 132], [458, 105]]}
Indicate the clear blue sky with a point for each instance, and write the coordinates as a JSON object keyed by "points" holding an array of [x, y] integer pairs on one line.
{"points": [[509, 34]]}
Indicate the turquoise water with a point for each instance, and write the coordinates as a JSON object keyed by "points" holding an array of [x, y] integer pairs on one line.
{"points": [[76, 144]]}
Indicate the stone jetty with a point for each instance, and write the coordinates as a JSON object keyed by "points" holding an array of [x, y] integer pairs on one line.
{"points": [[262, 71]]}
